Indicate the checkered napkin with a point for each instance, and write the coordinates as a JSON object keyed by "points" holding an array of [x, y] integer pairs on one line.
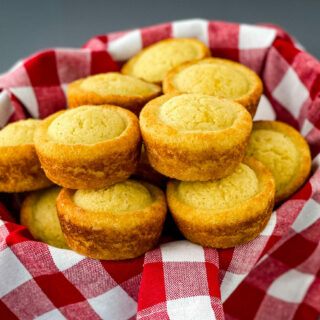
{"points": [[276, 276]]}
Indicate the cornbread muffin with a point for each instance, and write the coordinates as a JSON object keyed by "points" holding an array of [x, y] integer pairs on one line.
{"points": [[284, 151], [20, 168], [216, 77], [89, 147], [39, 214], [152, 63], [193, 137], [147, 173], [120, 222], [112, 88], [227, 212]]}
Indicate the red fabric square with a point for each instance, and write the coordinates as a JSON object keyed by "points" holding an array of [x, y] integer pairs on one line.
{"points": [[50, 100], [276, 309], [42, 69], [90, 284], [315, 89], [154, 34], [223, 35], [17, 234], [73, 64], [122, 271], [302, 250], [241, 308], [58, 289], [15, 78], [185, 279], [253, 58], [287, 52], [275, 68], [224, 39], [36, 257], [6, 313], [305, 312], [101, 61], [212, 278], [152, 288], [225, 257]]}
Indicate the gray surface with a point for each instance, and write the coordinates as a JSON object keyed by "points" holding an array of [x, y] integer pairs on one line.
{"points": [[28, 26]]}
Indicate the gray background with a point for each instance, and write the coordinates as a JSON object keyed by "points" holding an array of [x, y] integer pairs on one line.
{"points": [[31, 25]]}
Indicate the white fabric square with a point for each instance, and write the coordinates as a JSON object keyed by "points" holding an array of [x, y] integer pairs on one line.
{"points": [[114, 304], [191, 308], [253, 37], [230, 283], [291, 92], [6, 108], [51, 315], [65, 259], [267, 231], [28, 98], [264, 110], [181, 251], [64, 87], [291, 286], [306, 127], [309, 214], [126, 46], [195, 28], [12, 272]]}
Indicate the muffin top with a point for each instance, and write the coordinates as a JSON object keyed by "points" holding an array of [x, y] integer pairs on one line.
{"points": [[196, 112], [284, 151], [18, 133], [211, 76], [115, 83], [277, 152], [126, 196], [152, 63], [220, 194], [45, 218], [87, 125]]}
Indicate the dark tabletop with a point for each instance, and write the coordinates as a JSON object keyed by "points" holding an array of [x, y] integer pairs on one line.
{"points": [[28, 26]]}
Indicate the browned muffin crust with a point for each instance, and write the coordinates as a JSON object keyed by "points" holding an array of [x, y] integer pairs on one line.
{"points": [[193, 156], [303, 164], [112, 236], [228, 227], [20, 169], [82, 166]]}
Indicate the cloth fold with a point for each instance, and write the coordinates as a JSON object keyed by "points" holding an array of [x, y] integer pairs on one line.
{"points": [[276, 276]]}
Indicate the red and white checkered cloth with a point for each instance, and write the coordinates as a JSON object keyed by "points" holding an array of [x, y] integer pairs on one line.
{"points": [[276, 276]]}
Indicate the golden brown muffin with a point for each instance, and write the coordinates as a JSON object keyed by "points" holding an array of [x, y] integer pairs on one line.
{"points": [[112, 88], [120, 222], [20, 168], [39, 214], [284, 151], [147, 173], [194, 137], [216, 77], [152, 63], [89, 147], [227, 212]]}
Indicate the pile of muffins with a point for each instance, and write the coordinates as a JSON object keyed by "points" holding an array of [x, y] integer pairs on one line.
{"points": [[104, 194]]}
